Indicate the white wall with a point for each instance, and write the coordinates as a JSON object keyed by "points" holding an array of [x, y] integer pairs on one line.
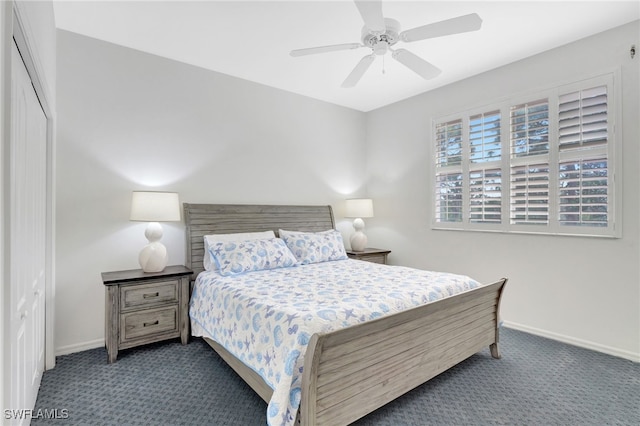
{"points": [[582, 290], [129, 120]]}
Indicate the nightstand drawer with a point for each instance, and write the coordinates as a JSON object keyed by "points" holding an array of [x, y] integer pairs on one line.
{"points": [[374, 258], [147, 295], [139, 324]]}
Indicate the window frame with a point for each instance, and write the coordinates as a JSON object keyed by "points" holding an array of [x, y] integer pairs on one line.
{"points": [[612, 150]]}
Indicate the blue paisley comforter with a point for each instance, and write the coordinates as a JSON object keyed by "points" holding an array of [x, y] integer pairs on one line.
{"points": [[266, 318]]}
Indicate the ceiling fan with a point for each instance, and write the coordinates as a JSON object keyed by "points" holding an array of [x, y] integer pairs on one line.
{"points": [[380, 34]]}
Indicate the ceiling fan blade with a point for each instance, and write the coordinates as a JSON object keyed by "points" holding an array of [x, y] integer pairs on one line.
{"points": [[324, 49], [416, 64], [371, 12], [357, 73], [461, 24]]}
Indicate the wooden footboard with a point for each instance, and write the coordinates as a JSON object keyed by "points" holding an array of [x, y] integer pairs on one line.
{"points": [[351, 372]]}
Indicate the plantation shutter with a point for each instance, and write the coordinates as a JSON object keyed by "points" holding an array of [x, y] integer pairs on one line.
{"points": [[448, 182], [583, 169], [449, 197], [485, 175], [484, 137], [583, 118], [485, 196], [529, 166], [530, 194], [583, 192], [449, 144]]}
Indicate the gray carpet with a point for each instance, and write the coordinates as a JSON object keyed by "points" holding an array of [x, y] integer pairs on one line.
{"points": [[537, 382]]}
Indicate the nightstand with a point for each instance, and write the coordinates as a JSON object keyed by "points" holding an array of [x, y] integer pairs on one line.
{"points": [[370, 255], [145, 307]]}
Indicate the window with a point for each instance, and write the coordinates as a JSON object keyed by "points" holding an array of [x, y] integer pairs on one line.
{"points": [[541, 164]]}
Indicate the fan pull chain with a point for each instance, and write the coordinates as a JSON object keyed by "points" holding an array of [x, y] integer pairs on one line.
{"points": [[383, 70]]}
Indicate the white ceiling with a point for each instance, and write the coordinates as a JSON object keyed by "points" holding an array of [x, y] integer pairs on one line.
{"points": [[252, 39]]}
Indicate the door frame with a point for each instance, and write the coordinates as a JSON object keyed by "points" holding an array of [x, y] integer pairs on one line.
{"points": [[34, 68], [16, 26]]}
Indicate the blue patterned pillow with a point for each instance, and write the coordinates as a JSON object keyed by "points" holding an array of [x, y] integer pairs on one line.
{"points": [[210, 264], [310, 247], [238, 257]]}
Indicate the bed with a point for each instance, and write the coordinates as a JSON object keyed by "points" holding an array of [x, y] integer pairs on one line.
{"points": [[350, 371]]}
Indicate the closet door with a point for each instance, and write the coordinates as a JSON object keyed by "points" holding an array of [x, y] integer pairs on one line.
{"points": [[27, 181]]}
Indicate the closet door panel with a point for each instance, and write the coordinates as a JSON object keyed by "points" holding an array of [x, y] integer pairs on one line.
{"points": [[27, 237]]}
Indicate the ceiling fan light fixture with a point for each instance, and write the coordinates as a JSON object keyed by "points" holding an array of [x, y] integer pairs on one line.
{"points": [[388, 36], [381, 48]]}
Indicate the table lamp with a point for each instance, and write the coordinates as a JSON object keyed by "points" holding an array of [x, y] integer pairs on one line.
{"points": [[358, 208], [154, 207]]}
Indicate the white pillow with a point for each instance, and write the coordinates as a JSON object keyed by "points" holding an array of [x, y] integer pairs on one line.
{"points": [[209, 263]]}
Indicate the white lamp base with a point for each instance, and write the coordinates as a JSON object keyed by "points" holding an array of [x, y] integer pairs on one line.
{"points": [[153, 257], [358, 239]]}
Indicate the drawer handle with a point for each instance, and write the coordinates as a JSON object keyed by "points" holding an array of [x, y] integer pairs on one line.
{"points": [[147, 324], [150, 295]]}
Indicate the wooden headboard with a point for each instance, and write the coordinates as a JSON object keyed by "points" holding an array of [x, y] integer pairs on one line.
{"points": [[207, 219]]}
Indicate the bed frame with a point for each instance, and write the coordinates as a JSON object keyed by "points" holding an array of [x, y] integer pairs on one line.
{"points": [[351, 372]]}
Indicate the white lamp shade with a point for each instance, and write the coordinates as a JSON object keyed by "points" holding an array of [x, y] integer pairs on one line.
{"points": [[359, 207], [149, 206]]}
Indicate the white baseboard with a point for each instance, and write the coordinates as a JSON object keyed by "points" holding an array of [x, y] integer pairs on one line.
{"points": [[79, 347], [635, 357]]}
